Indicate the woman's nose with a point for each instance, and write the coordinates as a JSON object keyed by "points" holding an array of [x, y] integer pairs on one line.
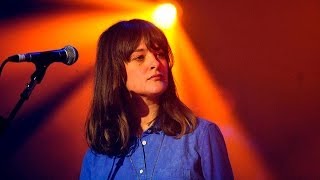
{"points": [[154, 61]]}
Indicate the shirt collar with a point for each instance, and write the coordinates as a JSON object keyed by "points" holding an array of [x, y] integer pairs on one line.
{"points": [[155, 128]]}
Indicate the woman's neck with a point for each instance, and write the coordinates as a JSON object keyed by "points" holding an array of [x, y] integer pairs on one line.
{"points": [[148, 120], [145, 111]]}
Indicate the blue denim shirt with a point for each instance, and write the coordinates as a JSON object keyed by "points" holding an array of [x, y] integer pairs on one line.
{"points": [[201, 154]]}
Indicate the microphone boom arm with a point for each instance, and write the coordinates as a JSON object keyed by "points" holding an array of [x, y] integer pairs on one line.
{"points": [[36, 78]]}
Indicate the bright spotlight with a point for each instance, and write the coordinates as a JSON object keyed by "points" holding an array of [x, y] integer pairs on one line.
{"points": [[165, 15]]}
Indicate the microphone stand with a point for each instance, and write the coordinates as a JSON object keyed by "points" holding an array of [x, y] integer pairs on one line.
{"points": [[36, 78]]}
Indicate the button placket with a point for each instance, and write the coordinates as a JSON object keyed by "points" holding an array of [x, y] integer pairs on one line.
{"points": [[144, 142], [142, 170]]}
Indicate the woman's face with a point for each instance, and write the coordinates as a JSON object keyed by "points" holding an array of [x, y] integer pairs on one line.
{"points": [[147, 72]]}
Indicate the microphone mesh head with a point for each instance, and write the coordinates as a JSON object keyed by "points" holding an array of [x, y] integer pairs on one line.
{"points": [[72, 54]]}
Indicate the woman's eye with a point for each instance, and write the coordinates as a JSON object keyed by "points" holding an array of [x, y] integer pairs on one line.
{"points": [[160, 56], [139, 58]]}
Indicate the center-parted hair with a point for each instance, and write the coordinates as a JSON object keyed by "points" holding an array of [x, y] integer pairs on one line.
{"points": [[109, 124]]}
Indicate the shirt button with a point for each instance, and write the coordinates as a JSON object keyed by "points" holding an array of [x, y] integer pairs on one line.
{"points": [[141, 171], [144, 142]]}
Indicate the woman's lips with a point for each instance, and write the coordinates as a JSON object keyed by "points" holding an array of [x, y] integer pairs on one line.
{"points": [[156, 77]]}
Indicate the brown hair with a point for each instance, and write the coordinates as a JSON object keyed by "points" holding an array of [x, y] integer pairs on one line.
{"points": [[108, 126]]}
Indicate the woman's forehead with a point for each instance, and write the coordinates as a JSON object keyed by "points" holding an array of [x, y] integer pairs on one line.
{"points": [[150, 44], [142, 45]]}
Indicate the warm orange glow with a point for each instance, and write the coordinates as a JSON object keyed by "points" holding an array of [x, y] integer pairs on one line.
{"points": [[199, 91], [165, 15]]}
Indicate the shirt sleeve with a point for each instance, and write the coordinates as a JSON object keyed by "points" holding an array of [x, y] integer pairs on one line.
{"points": [[86, 164], [214, 156]]}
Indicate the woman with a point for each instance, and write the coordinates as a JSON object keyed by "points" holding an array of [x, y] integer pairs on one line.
{"points": [[137, 127]]}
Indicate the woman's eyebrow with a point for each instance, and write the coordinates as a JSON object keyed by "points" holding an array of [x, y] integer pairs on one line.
{"points": [[140, 50]]}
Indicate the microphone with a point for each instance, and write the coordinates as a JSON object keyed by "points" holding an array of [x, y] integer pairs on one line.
{"points": [[67, 55]]}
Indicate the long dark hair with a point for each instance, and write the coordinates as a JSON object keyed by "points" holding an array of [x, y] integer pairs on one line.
{"points": [[108, 126]]}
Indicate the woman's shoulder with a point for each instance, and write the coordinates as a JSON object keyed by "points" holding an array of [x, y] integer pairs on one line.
{"points": [[93, 159], [205, 127], [92, 156], [203, 123], [95, 165]]}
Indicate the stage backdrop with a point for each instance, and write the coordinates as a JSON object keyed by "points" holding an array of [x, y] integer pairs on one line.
{"points": [[252, 67]]}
